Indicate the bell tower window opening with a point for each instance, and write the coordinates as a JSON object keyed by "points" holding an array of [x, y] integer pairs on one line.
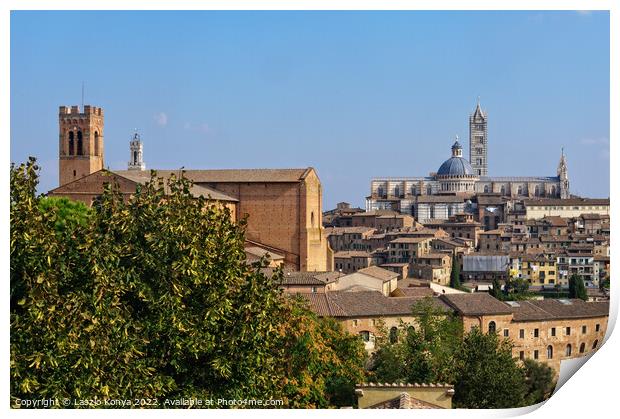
{"points": [[80, 150], [71, 145], [96, 147]]}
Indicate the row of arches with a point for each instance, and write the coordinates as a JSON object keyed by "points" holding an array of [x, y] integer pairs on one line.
{"points": [[76, 144], [538, 191], [399, 192]]}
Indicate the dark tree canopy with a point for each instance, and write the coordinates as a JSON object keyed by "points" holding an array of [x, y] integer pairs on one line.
{"points": [[152, 298]]}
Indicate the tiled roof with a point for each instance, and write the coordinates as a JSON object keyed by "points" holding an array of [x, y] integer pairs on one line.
{"points": [[309, 278], [259, 252], [379, 273], [348, 230], [143, 176], [556, 221], [416, 291], [565, 202], [409, 240], [230, 175], [479, 303], [352, 254], [364, 304], [549, 309]]}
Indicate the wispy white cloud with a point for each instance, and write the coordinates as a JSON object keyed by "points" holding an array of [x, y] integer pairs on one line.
{"points": [[584, 12], [161, 119]]}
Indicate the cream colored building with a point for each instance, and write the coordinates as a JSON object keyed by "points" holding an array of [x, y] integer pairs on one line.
{"points": [[565, 208]]}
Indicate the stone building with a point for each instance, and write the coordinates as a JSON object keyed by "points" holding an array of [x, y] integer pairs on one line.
{"points": [[284, 206], [548, 330], [80, 142], [457, 180]]}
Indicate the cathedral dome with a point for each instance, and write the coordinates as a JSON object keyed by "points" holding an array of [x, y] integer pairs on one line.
{"points": [[456, 165]]}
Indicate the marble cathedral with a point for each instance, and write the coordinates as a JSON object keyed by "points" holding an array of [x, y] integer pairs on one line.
{"points": [[450, 190]]}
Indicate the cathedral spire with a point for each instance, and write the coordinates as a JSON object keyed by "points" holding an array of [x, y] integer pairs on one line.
{"points": [[563, 177]]}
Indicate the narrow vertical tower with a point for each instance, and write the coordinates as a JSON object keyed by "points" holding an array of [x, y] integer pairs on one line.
{"points": [[80, 147], [563, 176], [478, 141], [135, 158]]}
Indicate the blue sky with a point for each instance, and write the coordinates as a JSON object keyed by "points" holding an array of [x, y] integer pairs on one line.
{"points": [[353, 94]]}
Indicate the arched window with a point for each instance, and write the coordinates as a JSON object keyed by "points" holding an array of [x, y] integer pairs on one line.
{"points": [[520, 190], [549, 352], [582, 348], [79, 143], [569, 350], [553, 190], [393, 334], [96, 143], [503, 190], [380, 191], [486, 188], [595, 344], [410, 330], [537, 191], [492, 327], [312, 218], [429, 190], [396, 191], [413, 190], [71, 150]]}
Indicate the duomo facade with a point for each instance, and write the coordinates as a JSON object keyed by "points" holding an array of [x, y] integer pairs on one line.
{"points": [[450, 190]]}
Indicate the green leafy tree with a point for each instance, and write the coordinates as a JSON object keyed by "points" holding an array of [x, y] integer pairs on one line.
{"points": [[323, 362], [540, 381], [455, 275], [152, 298], [577, 288], [424, 352], [489, 378], [70, 214]]}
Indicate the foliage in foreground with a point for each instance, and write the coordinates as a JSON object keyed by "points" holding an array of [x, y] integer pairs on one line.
{"points": [[152, 298], [480, 366]]}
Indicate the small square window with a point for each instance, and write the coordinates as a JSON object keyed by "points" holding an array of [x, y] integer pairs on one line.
{"points": [[354, 323], [584, 330], [535, 354], [521, 355], [568, 331], [598, 327], [535, 333], [553, 331], [521, 333], [506, 333]]}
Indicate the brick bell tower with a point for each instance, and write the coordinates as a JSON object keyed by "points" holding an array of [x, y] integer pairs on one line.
{"points": [[80, 149]]}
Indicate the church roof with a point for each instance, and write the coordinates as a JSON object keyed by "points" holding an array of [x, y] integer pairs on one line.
{"points": [[232, 175], [455, 166], [143, 176]]}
